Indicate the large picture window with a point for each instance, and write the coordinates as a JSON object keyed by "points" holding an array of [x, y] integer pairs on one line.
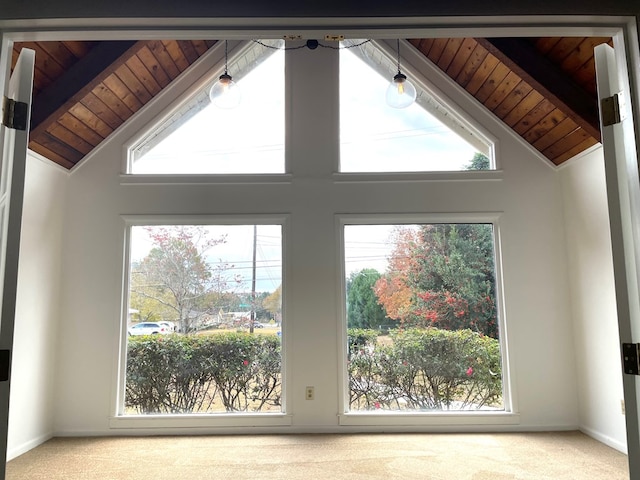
{"points": [[422, 318], [205, 319]]}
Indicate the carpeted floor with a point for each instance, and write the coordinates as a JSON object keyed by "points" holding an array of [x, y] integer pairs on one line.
{"points": [[534, 456]]}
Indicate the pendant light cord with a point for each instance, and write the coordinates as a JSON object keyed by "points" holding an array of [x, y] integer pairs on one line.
{"points": [[226, 56]]}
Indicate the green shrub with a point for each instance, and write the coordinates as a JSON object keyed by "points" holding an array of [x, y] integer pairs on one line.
{"points": [[441, 367], [423, 369], [426, 369], [266, 388], [187, 374], [147, 379], [360, 338]]}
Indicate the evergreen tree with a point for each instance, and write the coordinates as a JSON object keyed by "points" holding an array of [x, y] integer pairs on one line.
{"points": [[479, 162], [363, 309]]}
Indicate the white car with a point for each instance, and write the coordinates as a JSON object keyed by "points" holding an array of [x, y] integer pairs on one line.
{"points": [[148, 328], [170, 326]]}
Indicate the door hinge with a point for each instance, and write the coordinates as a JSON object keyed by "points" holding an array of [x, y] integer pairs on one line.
{"points": [[14, 114], [5, 359], [611, 112], [630, 356]]}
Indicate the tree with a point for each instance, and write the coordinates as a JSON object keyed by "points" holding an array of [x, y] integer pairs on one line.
{"points": [[148, 309], [214, 301], [445, 274], [260, 308], [393, 290], [273, 304], [247, 302], [363, 309], [479, 162], [175, 275]]}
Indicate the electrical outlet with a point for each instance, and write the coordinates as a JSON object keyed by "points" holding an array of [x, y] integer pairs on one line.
{"points": [[622, 407], [309, 393]]}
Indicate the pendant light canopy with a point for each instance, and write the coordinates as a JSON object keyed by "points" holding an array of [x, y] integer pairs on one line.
{"points": [[225, 92], [401, 93]]}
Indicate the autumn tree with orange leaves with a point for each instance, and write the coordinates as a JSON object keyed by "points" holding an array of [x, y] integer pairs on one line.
{"points": [[443, 276], [394, 288]]}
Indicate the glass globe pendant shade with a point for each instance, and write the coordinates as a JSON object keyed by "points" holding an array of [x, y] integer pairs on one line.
{"points": [[401, 93], [225, 93]]}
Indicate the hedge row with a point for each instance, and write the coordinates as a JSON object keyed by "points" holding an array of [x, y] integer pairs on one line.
{"points": [[202, 373], [424, 369], [418, 370]]}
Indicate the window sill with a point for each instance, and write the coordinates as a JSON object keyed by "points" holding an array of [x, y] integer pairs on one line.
{"points": [[439, 419], [200, 421], [478, 175], [162, 179]]}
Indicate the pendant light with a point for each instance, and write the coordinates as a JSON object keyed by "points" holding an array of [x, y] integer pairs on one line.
{"points": [[401, 93], [225, 92]]}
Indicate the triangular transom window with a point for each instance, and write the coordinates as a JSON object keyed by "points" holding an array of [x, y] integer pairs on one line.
{"points": [[197, 137], [374, 137]]}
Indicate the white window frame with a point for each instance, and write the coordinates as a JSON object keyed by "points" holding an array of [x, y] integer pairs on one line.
{"points": [[419, 70], [427, 76], [209, 67], [509, 415], [118, 419]]}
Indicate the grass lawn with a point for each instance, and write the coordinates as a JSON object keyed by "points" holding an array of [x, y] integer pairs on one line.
{"points": [[260, 331]]}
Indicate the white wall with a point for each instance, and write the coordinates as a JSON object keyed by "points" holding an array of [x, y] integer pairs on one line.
{"points": [[527, 193], [37, 308], [593, 299]]}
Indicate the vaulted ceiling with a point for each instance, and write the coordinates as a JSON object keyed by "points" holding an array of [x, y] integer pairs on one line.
{"points": [[543, 88]]}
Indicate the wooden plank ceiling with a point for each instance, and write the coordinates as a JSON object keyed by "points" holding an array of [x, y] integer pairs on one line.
{"points": [[83, 91], [543, 88]]}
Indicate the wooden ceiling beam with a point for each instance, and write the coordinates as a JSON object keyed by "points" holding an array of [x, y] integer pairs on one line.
{"points": [[548, 79], [80, 78]]}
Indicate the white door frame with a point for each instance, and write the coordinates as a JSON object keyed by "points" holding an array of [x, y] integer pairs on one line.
{"points": [[12, 182], [623, 29], [623, 198]]}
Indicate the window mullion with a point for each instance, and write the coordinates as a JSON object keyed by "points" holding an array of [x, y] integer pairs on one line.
{"points": [[312, 112]]}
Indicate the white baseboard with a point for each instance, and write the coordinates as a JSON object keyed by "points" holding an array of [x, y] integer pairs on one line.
{"points": [[311, 429], [25, 447], [611, 442]]}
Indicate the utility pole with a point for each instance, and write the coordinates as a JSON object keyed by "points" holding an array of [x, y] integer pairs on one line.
{"points": [[253, 281]]}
